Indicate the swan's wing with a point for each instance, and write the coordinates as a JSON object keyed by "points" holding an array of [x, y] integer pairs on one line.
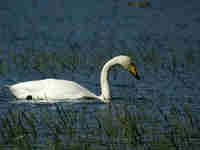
{"points": [[50, 89], [63, 89]]}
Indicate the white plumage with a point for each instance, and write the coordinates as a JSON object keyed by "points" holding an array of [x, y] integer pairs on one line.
{"points": [[53, 89]]}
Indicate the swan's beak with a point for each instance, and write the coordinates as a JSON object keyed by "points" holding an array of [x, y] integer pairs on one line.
{"points": [[132, 70]]}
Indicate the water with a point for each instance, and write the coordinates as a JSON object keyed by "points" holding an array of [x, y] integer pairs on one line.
{"points": [[82, 115], [83, 36], [123, 90]]}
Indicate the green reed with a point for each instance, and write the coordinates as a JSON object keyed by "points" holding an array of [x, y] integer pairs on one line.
{"points": [[122, 128]]}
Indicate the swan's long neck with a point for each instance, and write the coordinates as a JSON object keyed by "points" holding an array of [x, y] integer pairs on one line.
{"points": [[105, 90]]}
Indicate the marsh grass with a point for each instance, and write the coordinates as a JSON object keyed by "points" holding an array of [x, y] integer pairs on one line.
{"points": [[4, 68], [189, 57], [55, 62], [154, 61], [41, 61], [18, 130], [150, 58], [173, 65], [122, 128]]}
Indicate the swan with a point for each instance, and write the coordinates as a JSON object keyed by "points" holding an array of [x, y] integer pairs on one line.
{"points": [[53, 89]]}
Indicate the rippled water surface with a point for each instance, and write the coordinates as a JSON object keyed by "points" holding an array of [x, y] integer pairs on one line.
{"points": [[73, 40]]}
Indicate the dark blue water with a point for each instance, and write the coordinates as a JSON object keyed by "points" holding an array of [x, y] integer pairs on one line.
{"points": [[94, 32]]}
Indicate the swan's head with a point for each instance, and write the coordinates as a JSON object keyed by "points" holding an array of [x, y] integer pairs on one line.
{"points": [[125, 62]]}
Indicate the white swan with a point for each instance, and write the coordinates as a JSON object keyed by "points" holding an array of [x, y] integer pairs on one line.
{"points": [[62, 89]]}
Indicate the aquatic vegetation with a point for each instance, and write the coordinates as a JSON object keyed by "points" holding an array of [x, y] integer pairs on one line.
{"points": [[18, 130], [4, 68], [122, 128], [152, 58], [54, 62], [189, 57], [174, 63]]}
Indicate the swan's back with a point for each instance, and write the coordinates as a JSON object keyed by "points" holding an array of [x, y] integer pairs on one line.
{"points": [[50, 89]]}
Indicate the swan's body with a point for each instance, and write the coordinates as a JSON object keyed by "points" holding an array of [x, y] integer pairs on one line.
{"points": [[62, 89], [50, 89]]}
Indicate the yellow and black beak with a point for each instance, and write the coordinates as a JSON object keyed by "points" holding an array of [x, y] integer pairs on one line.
{"points": [[132, 70]]}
